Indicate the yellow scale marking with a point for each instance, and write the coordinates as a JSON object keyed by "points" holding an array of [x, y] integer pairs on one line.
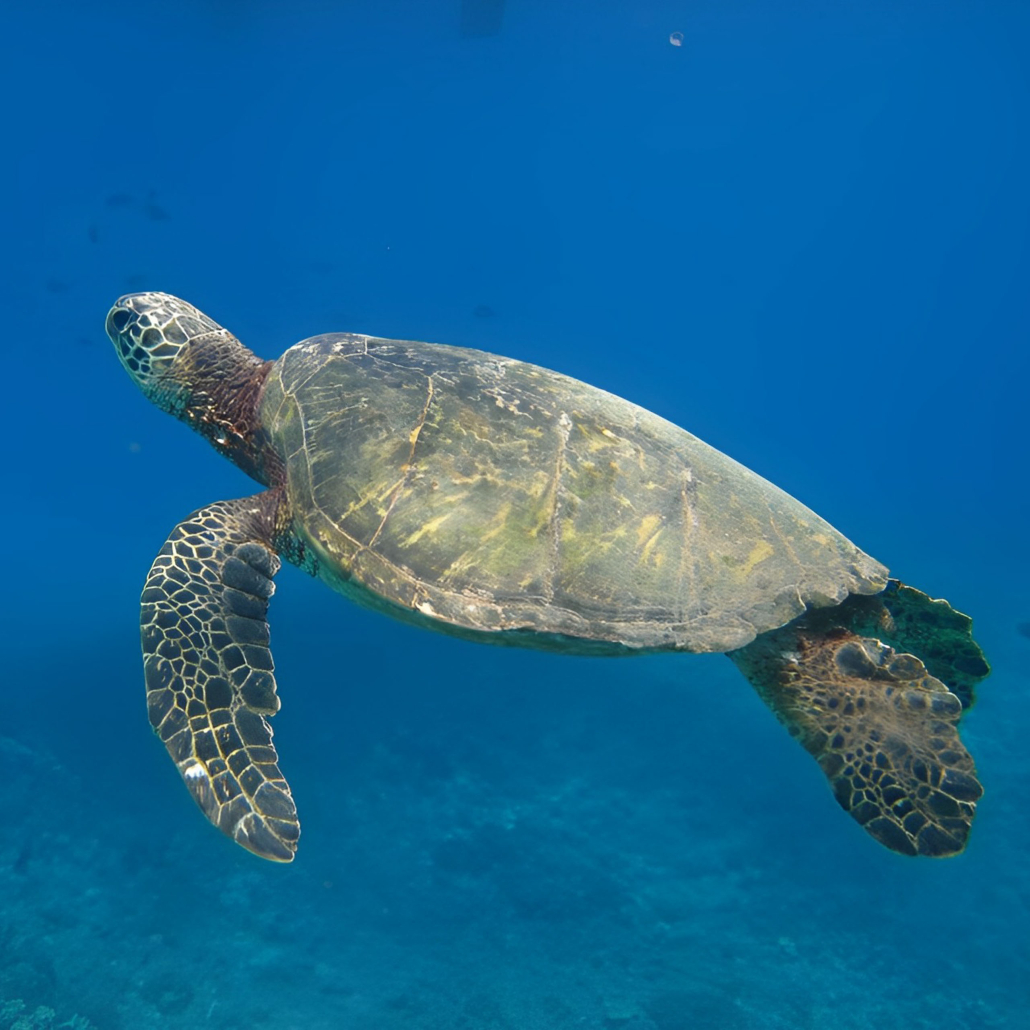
{"points": [[430, 527], [759, 553]]}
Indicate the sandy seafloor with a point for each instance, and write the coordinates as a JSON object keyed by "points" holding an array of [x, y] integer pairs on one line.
{"points": [[803, 234]]}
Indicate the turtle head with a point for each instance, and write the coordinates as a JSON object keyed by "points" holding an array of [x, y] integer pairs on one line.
{"points": [[190, 366], [150, 332]]}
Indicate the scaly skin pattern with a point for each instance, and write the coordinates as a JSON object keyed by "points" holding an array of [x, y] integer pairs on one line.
{"points": [[491, 495], [209, 671], [883, 730]]}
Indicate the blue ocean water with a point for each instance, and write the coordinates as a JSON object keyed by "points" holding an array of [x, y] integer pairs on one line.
{"points": [[802, 234]]}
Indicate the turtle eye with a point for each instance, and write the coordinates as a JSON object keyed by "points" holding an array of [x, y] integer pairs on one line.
{"points": [[120, 319]]}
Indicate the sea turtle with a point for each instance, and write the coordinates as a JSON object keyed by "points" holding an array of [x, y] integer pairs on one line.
{"points": [[502, 502]]}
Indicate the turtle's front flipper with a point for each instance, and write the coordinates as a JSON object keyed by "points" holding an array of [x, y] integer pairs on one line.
{"points": [[209, 671], [883, 730]]}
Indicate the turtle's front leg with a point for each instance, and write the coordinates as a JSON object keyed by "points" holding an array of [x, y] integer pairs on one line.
{"points": [[209, 670]]}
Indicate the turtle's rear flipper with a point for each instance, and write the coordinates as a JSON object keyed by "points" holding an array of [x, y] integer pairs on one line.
{"points": [[883, 730], [209, 671]]}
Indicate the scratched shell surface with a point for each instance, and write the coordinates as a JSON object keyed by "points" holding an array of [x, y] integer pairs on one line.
{"points": [[493, 495]]}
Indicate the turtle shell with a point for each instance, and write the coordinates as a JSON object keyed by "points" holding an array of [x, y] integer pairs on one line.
{"points": [[496, 497]]}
